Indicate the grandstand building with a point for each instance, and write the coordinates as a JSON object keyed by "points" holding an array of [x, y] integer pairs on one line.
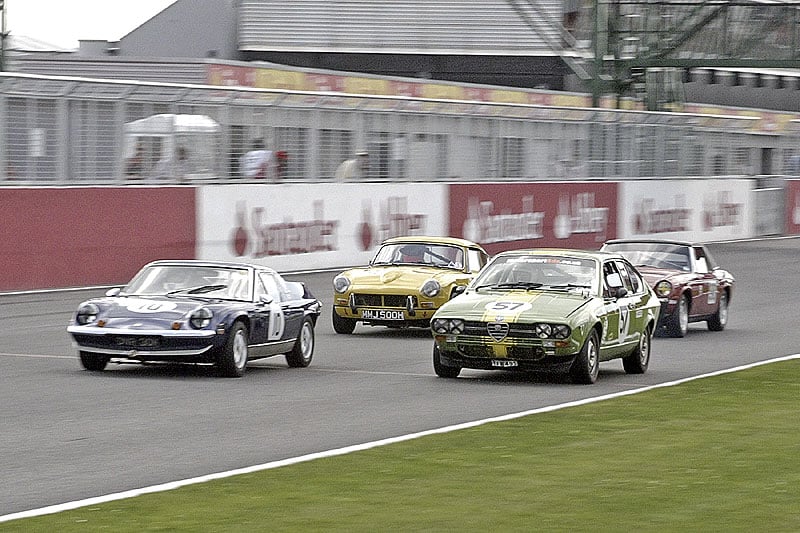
{"points": [[533, 44]]}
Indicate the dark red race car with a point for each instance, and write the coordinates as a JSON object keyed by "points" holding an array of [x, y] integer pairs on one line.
{"points": [[690, 284]]}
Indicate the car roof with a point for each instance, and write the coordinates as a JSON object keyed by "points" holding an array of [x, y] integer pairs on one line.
{"points": [[572, 252], [652, 241], [203, 263], [433, 240]]}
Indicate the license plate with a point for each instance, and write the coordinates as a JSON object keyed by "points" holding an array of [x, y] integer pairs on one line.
{"points": [[504, 363], [137, 342], [381, 314]]}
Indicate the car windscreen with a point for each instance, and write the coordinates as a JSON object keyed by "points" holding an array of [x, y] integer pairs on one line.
{"points": [[538, 271], [656, 255], [415, 253], [192, 280]]}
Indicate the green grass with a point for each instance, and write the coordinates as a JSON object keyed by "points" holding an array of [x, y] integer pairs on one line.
{"points": [[716, 454]]}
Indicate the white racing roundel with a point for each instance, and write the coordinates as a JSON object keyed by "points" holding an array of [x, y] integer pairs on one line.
{"points": [[137, 305]]}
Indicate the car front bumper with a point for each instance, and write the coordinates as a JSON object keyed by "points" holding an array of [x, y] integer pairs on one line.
{"points": [[144, 344], [481, 353]]}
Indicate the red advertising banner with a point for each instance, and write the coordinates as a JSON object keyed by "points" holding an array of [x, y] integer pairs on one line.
{"points": [[792, 207], [69, 237], [504, 216]]}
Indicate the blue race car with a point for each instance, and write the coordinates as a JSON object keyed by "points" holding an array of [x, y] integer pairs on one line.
{"points": [[191, 311]]}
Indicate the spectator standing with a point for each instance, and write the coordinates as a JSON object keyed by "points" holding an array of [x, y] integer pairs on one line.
{"points": [[259, 163], [134, 166]]}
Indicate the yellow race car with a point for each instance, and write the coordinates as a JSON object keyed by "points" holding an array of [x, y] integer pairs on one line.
{"points": [[405, 283]]}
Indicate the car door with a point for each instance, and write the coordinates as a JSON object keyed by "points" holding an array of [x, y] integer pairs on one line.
{"points": [[267, 322], [291, 308], [705, 301], [613, 320], [636, 302], [276, 326]]}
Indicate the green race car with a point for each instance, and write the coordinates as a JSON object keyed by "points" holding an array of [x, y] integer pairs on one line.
{"points": [[408, 279], [548, 310]]}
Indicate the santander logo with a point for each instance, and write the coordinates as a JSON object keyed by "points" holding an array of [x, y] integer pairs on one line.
{"points": [[253, 237]]}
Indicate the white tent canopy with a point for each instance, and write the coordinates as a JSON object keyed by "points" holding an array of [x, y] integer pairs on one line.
{"points": [[167, 123], [172, 146]]}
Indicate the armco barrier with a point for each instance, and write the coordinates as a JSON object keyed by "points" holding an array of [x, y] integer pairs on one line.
{"points": [[85, 236]]}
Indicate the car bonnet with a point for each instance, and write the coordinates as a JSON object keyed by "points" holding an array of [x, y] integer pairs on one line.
{"points": [[514, 305]]}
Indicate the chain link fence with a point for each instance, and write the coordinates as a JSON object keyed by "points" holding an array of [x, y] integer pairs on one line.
{"points": [[73, 131]]}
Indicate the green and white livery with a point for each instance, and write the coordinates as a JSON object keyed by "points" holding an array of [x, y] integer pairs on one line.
{"points": [[551, 310]]}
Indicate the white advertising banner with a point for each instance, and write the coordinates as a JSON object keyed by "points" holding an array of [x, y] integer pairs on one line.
{"points": [[292, 227], [700, 210]]}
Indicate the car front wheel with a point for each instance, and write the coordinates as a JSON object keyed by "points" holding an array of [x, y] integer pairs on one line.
{"points": [[637, 361], [443, 371], [93, 361], [232, 360], [303, 350], [341, 324], [720, 318], [586, 366], [678, 324]]}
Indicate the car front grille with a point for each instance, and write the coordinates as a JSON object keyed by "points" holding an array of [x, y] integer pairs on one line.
{"points": [[515, 330], [399, 301], [530, 353], [145, 343]]}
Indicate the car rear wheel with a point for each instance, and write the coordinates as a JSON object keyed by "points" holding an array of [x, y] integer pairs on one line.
{"points": [[443, 371], [586, 366], [232, 360], [303, 349], [93, 361], [341, 324], [720, 318], [678, 324], [637, 361]]}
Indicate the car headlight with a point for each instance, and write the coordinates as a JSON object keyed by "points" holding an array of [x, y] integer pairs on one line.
{"points": [[443, 326], [341, 284], [87, 313], [551, 331], [560, 331], [542, 331], [430, 288], [201, 317], [440, 325], [663, 288]]}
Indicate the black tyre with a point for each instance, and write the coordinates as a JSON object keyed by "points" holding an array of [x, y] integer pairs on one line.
{"points": [[232, 360], [303, 349], [678, 324], [720, 318], [637, 361], [586, 366], [342, 325], [441, 370], [95, 362]]}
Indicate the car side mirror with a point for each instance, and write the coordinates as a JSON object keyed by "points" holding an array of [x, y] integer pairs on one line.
{"points": [[113, 292], [458, 289], [265, 299]]}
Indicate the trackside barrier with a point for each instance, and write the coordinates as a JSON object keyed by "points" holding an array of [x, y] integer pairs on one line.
{"points": [[86, 236]]}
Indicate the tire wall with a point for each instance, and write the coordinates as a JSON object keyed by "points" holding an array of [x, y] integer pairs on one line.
{"points": [[78, 237]]}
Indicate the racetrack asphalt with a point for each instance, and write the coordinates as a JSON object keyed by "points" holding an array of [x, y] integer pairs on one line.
{"points": [[68, 434]]}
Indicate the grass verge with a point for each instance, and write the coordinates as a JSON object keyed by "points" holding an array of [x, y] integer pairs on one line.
{"points": [[716, 454]]}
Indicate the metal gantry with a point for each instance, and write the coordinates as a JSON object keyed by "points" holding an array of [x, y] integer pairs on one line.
{"points": [[644, 48]]}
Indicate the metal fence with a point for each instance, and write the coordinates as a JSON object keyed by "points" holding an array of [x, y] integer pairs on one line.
{"points": [[64, 131]]}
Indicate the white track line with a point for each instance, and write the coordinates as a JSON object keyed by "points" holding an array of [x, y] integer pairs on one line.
{"points": [[365, 446]]}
